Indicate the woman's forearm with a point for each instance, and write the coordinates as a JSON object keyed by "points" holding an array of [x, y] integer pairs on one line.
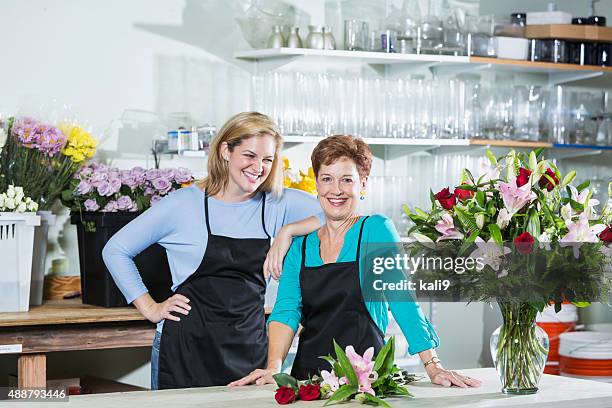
{"points": [[280, 337], [303, 227]]}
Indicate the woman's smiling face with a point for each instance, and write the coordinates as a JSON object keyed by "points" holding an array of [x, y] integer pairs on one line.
{"points": [[339, 186], [250, 163]]}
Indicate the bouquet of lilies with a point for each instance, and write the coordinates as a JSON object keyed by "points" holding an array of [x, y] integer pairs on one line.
{"points": [[351, 377], [528, 224], [42, 158]]}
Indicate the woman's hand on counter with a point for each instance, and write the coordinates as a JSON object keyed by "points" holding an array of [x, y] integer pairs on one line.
{"points": [[258, 377], [273, 265], [156, 312], [440, 376]]}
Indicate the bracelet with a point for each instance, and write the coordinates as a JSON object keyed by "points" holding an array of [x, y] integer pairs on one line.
{"points": [[434, 360]]}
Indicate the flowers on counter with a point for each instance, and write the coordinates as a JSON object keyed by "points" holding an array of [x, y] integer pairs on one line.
{"points": [[42, 157], [14, 200], [352, 376], [97, 187]]}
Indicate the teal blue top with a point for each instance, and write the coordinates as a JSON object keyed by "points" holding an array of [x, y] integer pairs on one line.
{"points": [[378, 229]]}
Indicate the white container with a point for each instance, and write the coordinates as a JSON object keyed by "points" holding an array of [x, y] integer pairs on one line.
{"points": [[549, 17], [39, 256], [512, 48], [16, 244]]}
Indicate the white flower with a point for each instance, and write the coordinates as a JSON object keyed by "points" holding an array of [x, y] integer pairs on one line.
{"points": [[544, 240], [10, 193], [567, 213], [490, 252], [2, 137], [10, 203], [21, 208], [2, 199], [503, 218], [32, 206]]}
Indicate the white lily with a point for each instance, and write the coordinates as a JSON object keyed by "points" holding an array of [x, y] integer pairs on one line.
{"points": [[503, 218], [490, 252]]}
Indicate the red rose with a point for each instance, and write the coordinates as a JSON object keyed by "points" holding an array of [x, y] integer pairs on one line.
{"points": [[606, 235], [523, 177], [285, 395], [446, 199], [545, 182], [524, 243], [309, 392], [463, 194]]}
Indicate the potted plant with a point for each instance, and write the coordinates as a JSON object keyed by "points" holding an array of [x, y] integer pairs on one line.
{"points": [[102, 200]]}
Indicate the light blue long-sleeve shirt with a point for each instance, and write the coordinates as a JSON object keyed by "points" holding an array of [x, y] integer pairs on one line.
{"points": [[378, 229], [177, 223]]}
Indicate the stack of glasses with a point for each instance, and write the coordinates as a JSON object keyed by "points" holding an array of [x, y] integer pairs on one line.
{"points": [[317, 104]]}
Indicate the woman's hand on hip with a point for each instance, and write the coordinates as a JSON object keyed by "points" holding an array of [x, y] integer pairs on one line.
{"points": [[155, 312], [439, 375], [273, 264], [258, 377]]}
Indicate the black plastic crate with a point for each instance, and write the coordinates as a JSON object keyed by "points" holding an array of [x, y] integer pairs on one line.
{"points": [[97, 285]]}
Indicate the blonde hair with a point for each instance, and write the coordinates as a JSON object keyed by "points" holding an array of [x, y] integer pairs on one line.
{"points": [[332, 148], [237, 129]]}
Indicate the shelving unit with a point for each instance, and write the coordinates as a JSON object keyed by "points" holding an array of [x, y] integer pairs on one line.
{"points": [[273, 58]]}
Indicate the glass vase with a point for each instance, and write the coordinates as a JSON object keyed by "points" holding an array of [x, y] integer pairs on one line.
{"points": [[519, 349]]}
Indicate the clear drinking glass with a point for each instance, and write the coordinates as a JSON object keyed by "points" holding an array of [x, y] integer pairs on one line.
{"points": [[356, 34]]}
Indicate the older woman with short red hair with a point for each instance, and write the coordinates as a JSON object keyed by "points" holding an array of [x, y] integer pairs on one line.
{"points": [[322, 280]]}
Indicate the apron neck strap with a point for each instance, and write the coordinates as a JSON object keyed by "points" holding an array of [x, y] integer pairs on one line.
{"points": [[263, 212], [206, 212], [358, 244]]}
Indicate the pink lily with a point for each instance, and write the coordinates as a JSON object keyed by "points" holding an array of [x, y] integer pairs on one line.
{"points": [[580, 232], [330, 379], [446, 227], [515, 197], [363, 367]]}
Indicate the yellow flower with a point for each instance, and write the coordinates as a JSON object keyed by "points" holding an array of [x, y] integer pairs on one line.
{"points": [[80, 145], [307, 182], [286, 164]]}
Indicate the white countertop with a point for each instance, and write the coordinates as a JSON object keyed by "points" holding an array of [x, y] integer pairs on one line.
{"points": [[555, 392]]}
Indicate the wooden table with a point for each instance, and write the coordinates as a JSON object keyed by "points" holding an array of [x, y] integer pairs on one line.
{"points": [[554, 392], [65, 325]]}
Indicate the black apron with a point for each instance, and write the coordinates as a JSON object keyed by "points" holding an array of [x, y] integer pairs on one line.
{"points": [[224, 336], [332, 308]]}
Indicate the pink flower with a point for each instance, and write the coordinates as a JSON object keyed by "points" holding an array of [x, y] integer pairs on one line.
{"points": [[105, 189], [183, 175], [152, 174], [515, 197], [162, 185], [330, 379], [124, 203], [167, 173], [91, 205], [84, 187], [580, 232], [111, 206], [363, 367], [446, 227], [115, 184]]}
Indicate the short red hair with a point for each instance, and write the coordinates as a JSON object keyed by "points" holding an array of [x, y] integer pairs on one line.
{"points": [[332, 148]]}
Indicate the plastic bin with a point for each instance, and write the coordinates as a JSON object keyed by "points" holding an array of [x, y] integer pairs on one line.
{"points": [[16, 244], [39, 256], [97, 285]]}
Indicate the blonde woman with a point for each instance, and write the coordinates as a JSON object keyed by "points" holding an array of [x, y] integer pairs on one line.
{"points": [[216, 234]]}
